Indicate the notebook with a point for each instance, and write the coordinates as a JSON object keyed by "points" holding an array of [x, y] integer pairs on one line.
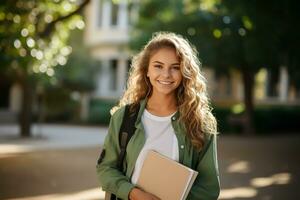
{"points": [[165, 178]]}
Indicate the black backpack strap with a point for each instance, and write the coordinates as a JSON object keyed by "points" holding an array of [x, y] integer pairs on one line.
{"points": [[126, 131]]}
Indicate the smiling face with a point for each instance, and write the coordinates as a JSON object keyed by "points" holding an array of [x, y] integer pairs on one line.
{"points": [[164, 71]]}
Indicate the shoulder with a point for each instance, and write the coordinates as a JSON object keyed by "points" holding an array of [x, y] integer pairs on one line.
{"points": [[210, 137], [117, 115]]}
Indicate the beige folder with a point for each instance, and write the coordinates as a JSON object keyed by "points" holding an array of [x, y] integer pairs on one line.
{"points": [[165, 178]]}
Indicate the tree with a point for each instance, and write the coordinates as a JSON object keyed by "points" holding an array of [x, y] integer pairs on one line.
{"points": [[245, 35], [267, 37], [34, 35]]}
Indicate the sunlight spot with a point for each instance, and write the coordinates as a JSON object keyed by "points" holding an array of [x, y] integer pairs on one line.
{"points": [[17, 43], [67, 7], [12, 148], [241, 192], [61, 60], [33, 52], [279, 179], [191, 31], [247, 22], [48, 18], [17, 19], [238, 108], [226, 19], [31, 28], [260, 83], [43, 68], [261, 182], [80, 24], [66, 50], [35, 69], [72, 26], [50, 72], [39, 55], [242, 31], [217, 33], [95, 193], [239, 167], [24, 32], [30, 42], [282, 178], [207, 4], [22, 52]]}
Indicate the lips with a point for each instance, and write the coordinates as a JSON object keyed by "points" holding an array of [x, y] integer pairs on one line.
{"points": [[165, 82]]}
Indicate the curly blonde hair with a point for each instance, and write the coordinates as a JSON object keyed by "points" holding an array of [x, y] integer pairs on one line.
{"points": [[192, 100]]}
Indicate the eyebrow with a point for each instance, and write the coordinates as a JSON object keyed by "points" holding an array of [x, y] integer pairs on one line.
{"points": [[163, 63]]}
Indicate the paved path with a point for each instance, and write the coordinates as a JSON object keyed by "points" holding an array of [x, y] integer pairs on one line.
{"points": [[47, 137], [59, 163]]}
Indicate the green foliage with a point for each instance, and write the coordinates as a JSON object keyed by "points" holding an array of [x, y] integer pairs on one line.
{"points": [[78, 74], [277, 119], [244, 35], [58, 106], [228, 34], [174, 16], [267, 119], [100, 111], [36, 35]]}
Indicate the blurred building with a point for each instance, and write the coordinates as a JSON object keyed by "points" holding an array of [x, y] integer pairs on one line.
{"points": [[107, 35]]}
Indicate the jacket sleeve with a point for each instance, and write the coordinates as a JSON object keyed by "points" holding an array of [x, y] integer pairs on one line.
{"points": [[111, 179], [207, 184]]}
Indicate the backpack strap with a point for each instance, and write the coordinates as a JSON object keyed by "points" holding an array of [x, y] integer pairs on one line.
{"points": [[126, 131]]}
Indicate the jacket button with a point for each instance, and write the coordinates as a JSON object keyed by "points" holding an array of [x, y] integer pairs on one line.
{"points": [[182, 146], [173, 118]]}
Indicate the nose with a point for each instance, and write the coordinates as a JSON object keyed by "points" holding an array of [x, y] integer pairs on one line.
{"points": [[166, 73]]}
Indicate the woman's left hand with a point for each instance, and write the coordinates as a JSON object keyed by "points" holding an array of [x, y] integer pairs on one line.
{"points": [[138, 194]]}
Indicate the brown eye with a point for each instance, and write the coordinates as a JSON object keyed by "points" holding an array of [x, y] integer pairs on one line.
{"points": [[176, 67], [158, 66]]}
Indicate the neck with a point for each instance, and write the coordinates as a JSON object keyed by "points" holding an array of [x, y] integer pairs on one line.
{"points": [[162, 105]]}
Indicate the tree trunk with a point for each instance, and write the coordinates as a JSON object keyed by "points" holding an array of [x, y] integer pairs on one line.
{"points": [[248, 80], [25, 119]]}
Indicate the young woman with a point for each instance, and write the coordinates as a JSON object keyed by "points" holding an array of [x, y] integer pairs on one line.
{"points": [[174, 118]]}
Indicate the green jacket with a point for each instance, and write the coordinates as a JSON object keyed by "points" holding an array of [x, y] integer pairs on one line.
{"points": [[206, 185]]}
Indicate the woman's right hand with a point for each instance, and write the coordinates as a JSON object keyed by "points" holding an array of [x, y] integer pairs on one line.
{"points": [[138, 194]]}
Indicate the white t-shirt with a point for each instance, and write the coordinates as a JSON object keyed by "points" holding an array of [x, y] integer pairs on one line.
{"points": [[160, 136]]}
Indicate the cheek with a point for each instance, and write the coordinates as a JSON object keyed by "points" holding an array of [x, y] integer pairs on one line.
{"points": [[178, 76], [152, 74]]}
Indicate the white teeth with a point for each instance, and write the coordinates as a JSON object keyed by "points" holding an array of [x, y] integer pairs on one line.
{"points": [[165, 82]]}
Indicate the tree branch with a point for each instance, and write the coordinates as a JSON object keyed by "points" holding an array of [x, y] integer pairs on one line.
{"points": [[49, 28]]}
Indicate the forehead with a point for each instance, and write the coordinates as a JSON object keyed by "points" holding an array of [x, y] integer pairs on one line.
{"points": [[165, 55]]}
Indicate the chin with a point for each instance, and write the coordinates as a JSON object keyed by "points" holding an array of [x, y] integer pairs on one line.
{"points": [[166, 92]]}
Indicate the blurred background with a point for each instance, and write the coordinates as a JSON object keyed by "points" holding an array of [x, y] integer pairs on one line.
{"points": [[64, 64]]}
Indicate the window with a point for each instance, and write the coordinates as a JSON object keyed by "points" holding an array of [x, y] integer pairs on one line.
{"points": [[114, 13], [113, 73], [100, 13]]}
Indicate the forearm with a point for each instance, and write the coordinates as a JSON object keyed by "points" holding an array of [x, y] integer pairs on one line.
{"points": [[112, 180]]}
